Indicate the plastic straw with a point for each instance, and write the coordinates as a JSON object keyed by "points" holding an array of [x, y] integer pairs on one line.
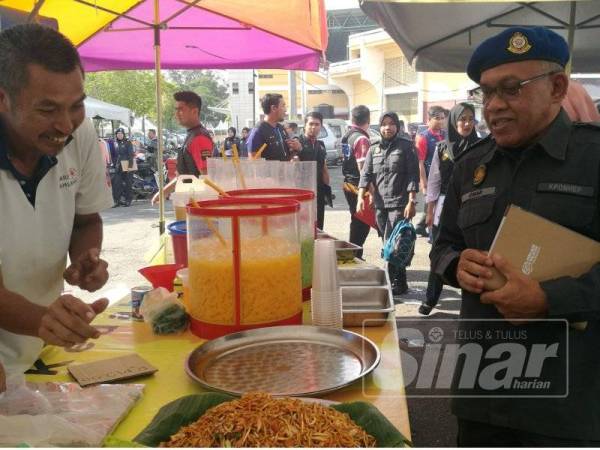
{"points": [[215, 186], [236, 163], [211, 226], [260, 150]]}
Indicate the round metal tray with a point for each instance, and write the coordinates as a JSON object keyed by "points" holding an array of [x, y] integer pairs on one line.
{"points": [[294, 360]]}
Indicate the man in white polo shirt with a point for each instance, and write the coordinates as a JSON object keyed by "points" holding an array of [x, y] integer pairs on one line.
{"points": [[52, 187]]}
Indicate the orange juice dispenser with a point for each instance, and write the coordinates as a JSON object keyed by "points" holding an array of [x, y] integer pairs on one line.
{"points": [[245, 272], [306, 219]]}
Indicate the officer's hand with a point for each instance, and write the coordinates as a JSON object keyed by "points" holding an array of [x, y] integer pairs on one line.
{"points": [[294, 144], [520, 298], [360, 203], [66, 321], [410, 210], [473, 266], [89, 271]]}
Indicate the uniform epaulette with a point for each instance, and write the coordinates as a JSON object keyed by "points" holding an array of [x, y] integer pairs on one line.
{"points": [[593, 125], [473, 146]]}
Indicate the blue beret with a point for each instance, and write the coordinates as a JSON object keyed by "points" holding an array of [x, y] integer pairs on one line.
{"points": [[518, 44]]}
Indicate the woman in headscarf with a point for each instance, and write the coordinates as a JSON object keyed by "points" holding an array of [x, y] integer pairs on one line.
{"points": [[392, 170], [461, 134]]}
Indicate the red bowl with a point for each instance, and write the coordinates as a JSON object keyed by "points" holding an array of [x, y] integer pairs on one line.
{"points": [[161, 275]]}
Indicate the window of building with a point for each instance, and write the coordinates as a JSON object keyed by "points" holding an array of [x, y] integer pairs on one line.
{"points": [[235, 88], [251, 88]]}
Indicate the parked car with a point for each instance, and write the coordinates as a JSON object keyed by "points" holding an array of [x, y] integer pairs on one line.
{"points": [[333, 144], [339, 126]]}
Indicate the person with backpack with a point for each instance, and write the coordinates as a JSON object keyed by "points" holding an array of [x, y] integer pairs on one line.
{"points": [[355, 146], [392, 169], [271, 131]]}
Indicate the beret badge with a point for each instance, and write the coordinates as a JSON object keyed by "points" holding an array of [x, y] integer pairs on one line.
{"points": [[518, 44]]}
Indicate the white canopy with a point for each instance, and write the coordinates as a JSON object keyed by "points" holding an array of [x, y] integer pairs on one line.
{"points": [[96, 109]]}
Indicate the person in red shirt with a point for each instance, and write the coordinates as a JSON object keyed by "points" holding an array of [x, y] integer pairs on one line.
{"points": [[198, 144], [425, 144]]}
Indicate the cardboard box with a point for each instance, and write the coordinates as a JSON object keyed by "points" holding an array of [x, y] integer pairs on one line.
{"points": [[542, 249]]}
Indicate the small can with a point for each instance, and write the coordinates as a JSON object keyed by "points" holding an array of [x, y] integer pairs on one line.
{"points": [[137, 298]]}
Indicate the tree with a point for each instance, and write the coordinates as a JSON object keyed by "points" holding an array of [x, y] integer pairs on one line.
{"points": [[136, 90], [128, 88], [207, 85]]}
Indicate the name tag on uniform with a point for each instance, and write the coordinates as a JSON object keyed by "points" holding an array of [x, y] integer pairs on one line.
{"points": [[566, 188], [478, 193]]}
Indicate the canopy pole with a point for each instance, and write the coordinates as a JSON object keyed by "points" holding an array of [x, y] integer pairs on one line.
{"points": [[571, 35], [159, 159]]}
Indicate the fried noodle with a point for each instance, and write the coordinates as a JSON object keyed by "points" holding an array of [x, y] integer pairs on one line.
{"points": [[259, 420]]}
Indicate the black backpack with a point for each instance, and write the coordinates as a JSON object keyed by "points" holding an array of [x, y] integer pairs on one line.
{"points": [[349, 164]]}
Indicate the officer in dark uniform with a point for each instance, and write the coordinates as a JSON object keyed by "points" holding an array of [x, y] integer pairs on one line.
{"points": [[313, 149], [537, 159], [392, 168]]}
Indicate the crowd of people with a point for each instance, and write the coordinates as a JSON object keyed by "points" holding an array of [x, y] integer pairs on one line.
{"points": [[538, 156]]}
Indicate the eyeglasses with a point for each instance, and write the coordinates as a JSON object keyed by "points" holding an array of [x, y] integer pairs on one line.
{"points": [[507, 91]]}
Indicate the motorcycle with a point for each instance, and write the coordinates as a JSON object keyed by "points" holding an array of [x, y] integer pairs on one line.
{"points": [[145, 182], [145, 179]]}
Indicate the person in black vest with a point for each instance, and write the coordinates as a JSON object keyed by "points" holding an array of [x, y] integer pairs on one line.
{"points": [[123, 177], [271, 131], [392, 169], [355, 145], [198, 144], [230, 140], [461, 134], [244, 141], [314, 150]]}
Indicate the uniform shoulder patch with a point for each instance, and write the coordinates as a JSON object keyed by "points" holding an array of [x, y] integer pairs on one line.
{"points": [[471, 148]]}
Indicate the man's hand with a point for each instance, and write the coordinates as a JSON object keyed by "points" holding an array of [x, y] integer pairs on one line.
{"points": [[473, 266], [66, 321], [294, 144], [89, 272], [410, 210], [360, 203], [520, 298]]}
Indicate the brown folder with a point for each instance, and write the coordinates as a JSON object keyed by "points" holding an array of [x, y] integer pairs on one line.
{"points": [[542, 249]]}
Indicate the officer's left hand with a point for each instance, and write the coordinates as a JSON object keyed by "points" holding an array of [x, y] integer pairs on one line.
{"points": [[294, 144], [89, 271], [410, 210], [520, 298]]}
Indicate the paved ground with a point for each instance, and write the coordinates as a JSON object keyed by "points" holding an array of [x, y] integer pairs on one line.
{"points": [[130, 232]]}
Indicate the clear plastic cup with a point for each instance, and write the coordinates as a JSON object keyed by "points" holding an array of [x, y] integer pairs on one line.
{"points": [[326, 309], [325, 271]]}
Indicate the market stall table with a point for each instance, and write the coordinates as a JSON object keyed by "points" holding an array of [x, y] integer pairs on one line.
{"points": [[120, 336]]}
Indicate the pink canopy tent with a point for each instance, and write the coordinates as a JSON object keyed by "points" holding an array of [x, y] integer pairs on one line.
{"points": [[187, 34], [193, 37]]}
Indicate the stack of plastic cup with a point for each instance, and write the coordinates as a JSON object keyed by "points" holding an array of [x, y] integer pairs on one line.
{"points": [[326, 300]]}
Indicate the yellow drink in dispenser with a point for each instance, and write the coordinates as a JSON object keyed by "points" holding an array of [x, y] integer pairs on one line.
{"points": [[247, 272]]}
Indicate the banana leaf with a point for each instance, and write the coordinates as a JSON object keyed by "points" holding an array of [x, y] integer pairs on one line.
{"points": [[185, 410]]}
